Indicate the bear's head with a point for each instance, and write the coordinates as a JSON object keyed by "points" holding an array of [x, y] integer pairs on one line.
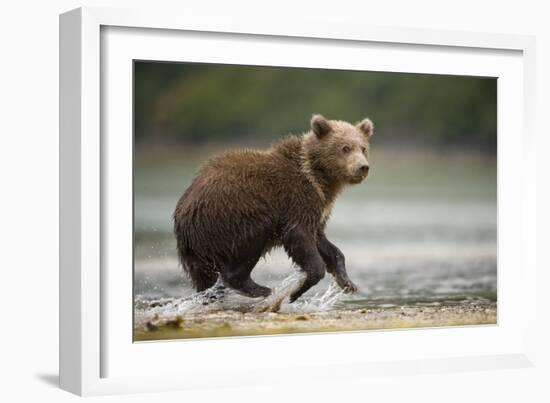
{"points": [[340, 150]]}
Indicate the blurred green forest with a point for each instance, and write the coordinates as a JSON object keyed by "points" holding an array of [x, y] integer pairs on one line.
{"points": [[199, 103]]}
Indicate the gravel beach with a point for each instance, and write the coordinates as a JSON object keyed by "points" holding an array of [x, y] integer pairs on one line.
{"points": [[232, 323]]}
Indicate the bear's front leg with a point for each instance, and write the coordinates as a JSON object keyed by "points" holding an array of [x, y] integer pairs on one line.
{"points": [[301, 247], [336, 263]]}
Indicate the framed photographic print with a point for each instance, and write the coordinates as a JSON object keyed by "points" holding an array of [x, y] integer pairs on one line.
{"points": [[289, 194]]}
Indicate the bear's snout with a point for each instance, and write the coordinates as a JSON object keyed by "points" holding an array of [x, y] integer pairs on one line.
{"points": [[359, 172], [364, 168], [361, 169]]}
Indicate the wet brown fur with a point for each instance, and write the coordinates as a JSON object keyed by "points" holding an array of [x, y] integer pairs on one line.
{"points": [[243, 203]]}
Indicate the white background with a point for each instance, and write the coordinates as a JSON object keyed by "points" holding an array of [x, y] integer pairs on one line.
{"points": [[29, 212]]}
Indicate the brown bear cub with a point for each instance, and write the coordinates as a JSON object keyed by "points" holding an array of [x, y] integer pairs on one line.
{"points": [[243, 203]]}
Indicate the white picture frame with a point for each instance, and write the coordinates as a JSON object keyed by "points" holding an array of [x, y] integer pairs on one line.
{"points": [[96, 354]]}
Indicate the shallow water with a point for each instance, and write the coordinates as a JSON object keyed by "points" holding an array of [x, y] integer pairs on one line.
{"points": [[220, 298], [416, 234]]}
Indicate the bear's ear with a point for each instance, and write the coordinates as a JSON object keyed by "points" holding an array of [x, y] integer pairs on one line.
{"points": [[366, 127], [320, 126]]}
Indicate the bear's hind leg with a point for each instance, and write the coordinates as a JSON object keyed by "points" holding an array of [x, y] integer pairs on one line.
{"points": [[236, 274], [248, 287], [240, 281], [202, 274]]}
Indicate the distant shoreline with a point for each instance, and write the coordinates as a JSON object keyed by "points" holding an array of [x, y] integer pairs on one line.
{"points": [[231, 323]]}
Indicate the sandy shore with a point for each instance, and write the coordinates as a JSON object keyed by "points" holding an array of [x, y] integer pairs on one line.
{"points": [[231, 323]]}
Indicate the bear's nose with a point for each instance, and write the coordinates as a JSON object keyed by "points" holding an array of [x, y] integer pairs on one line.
{"points": [[364, 168]]}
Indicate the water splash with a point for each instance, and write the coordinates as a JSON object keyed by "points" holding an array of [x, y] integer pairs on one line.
{"points": [[273, 302], [320, 301], [220, 298]]}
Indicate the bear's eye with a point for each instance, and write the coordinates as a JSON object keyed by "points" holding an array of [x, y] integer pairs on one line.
{"points": [[346, 149], [363, 149]]}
